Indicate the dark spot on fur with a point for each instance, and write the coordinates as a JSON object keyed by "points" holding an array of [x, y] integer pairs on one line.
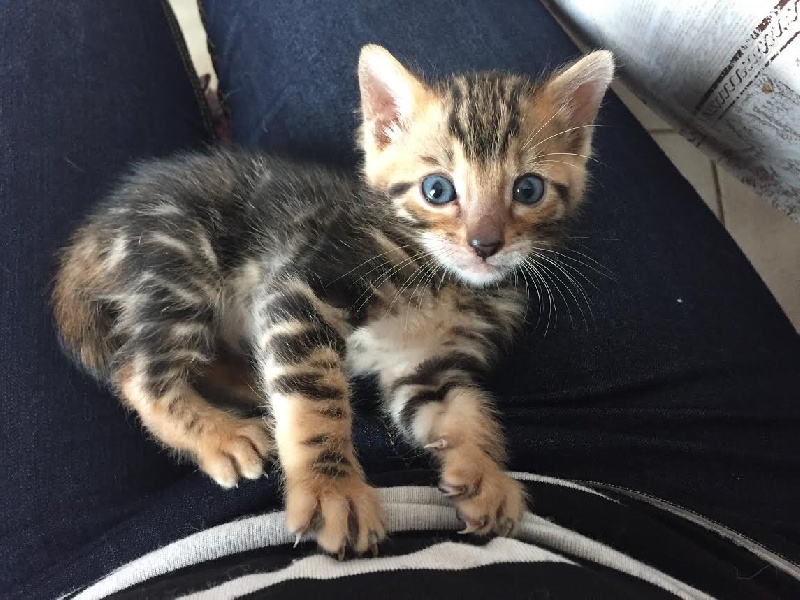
{"points": [[465, 333], [308, 385], [332, 412], [295, 347], [317, 440], [289, 307], [398, 189], [562, 191], [430, 371], [422, 398], [331, 463], [331, 470]]}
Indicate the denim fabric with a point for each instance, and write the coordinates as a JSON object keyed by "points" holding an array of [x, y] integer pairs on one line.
{"points": [[684, 383], [87, 88]]}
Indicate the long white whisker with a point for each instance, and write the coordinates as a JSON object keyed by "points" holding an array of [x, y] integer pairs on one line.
{"points": [[558, 265], [586, 156], [438, 265], [419, 277], [554, 279], [577, 272], [589, 237], [597, 267], [524, 273], [538, 295], [369, 260], [540, 142], [587, 257], [550, 304], [373, 287], [546, 287], [401, 264], [559, 162], [419, 273], [541, 127]]}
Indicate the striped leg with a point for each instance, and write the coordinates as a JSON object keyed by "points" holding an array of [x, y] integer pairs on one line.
{"points": [[152, 378], [300, 353], [439, 407]]}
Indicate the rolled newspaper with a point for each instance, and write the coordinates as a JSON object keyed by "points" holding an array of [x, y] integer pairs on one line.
{"points": [[725, 73]]}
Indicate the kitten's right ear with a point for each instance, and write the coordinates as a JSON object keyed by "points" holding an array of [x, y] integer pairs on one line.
{"points": [[390, 94]]}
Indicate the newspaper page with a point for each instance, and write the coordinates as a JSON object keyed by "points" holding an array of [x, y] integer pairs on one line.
{"points": [[725, 73]]}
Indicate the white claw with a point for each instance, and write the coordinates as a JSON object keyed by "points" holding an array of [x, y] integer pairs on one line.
{"points": [[297, 539], [467, 530], [449, 491], [440, 444]]}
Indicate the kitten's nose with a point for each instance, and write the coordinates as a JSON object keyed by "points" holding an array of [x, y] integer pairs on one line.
{"points": [[486, 247]]}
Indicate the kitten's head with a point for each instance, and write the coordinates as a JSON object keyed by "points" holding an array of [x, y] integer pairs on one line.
{"points": [[485, 167]]}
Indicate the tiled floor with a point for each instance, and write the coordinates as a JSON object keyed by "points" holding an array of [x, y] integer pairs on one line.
{"points": [[769, 239]]}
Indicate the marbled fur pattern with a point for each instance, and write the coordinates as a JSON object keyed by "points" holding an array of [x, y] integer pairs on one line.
{"points": [[308, 276]]}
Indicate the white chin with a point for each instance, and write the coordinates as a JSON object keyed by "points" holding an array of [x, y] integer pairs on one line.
{"points": [[465, 265], [487, 275]]}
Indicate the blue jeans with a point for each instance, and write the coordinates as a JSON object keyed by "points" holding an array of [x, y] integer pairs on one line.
{"points": [[683, 381]]}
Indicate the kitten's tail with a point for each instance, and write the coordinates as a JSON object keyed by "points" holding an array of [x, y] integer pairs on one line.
{"points": [[84, 321]]}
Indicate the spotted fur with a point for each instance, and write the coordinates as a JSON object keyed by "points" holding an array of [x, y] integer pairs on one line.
{"points": [[227, 297]]}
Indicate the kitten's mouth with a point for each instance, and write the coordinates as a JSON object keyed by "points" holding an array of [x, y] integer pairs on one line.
{"points": [[472, 269], [480, 272]]}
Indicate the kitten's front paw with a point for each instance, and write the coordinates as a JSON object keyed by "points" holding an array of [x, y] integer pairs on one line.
{"points": [[338, 513], [487, 500], [231, 448]]}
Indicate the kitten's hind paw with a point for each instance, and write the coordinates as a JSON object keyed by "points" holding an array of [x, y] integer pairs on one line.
{"points": [[338, 513], [233, 449]]}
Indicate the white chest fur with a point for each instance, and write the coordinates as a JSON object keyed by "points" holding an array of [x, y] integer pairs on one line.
{"points": [[397, 339]]}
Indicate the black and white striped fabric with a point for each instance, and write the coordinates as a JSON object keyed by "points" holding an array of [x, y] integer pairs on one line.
{"points": [[580, 541]]}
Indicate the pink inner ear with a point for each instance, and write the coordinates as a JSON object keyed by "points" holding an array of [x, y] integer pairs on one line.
{"points": [[387, 97], [380, 111], [585, 103], [385, 118]]}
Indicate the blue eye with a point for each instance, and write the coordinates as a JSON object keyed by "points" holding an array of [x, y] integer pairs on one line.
{"points": [[438, 189], [528, 189]]}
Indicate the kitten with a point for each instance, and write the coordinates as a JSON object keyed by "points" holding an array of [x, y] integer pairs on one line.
{"points": [[310, 276]]}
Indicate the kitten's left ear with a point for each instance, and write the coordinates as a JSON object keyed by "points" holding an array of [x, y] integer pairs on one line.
{"points": [[583, 85], [390, 95]]}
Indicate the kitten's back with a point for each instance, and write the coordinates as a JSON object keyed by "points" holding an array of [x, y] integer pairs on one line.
{"points": [[223, 206]]}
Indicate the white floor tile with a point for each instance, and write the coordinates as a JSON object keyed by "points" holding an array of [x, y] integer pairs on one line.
{"points": [[693, 164], [769, 239]]}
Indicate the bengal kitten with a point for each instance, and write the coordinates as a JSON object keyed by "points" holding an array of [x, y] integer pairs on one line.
{"points": [[311, 276]]}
